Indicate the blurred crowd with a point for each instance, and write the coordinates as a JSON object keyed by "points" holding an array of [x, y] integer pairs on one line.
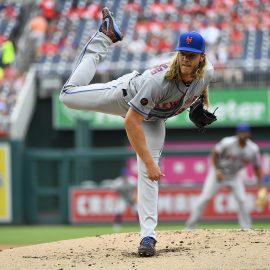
{"points": [[224, 25], [10, 80], [55, 30], [55, 24]]}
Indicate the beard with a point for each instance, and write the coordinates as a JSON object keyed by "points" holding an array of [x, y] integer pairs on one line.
{"points": [[188, 70]]}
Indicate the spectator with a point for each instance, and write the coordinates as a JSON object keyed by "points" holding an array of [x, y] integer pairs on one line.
{"points": [[163, 8], [142, 25], [8, 53], [211, 33], [158, 44], [235, 50], [92, 11], [48, 8], [38, 27], [132, 6], [2, 74], [49, 48], [137, 45], [237, 34], [157, 7], [3, 105]]}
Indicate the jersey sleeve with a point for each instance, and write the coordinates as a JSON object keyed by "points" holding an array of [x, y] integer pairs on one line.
{"points": [[256, 157], [221, 146], [147, 97]]}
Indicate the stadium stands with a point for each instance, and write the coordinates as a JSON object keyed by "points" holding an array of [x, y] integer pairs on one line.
{"points": [[236, 32], [10, 81]]}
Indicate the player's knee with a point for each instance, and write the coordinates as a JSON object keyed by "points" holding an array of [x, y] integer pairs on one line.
{"points": [[66, 99], [62, 97]]}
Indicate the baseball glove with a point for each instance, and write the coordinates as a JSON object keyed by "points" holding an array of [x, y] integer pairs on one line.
{"points": [[199, 116], [261, 199]]}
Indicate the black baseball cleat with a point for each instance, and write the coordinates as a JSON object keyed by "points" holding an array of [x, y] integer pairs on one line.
{"points": [[109, 27], [147, 247]]}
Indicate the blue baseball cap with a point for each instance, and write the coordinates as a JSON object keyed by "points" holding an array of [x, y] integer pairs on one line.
{"points": [[243, 127], [191, 42]]}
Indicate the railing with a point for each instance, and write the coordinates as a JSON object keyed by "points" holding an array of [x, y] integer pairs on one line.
{"points": [[24, 107], [234, 74]]}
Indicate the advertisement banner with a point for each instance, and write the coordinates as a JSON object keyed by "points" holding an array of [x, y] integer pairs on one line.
{"points": [[5, 184], [234, 106], [250, 106], [65, 118], [175, 204], [193, 169]]}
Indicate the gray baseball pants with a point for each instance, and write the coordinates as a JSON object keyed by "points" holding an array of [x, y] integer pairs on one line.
{"points": [[210, 187], [79, 94]]}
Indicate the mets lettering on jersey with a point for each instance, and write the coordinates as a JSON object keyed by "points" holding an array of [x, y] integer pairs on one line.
{"points": [[155, 97]]}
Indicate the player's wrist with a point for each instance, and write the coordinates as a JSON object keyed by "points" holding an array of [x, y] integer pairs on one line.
{"points": [[149, 162]]}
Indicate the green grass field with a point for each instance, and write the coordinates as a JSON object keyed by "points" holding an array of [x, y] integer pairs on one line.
{"points": [[48, 233]]}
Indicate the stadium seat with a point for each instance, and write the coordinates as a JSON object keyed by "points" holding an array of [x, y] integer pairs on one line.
{"points": [[74, 24]]}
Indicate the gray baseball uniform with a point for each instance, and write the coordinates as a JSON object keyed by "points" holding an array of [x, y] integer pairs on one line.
{"points": [[149, 93], [232, 158]]}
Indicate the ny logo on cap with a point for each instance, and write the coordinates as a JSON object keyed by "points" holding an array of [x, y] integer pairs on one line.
{"points": [[188, 40]]}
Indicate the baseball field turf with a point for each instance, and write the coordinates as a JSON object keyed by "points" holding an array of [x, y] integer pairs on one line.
{"points": [[21, 235]]}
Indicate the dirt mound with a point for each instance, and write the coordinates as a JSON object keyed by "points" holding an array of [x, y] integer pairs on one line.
{"points": [[198, 249]]}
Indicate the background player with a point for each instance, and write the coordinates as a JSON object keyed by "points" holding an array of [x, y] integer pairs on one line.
{"points": [[124, 186], [145, 100], [229, 156]]}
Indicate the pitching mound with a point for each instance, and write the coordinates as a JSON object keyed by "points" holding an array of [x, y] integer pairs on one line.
{"points": [[198, 249]]}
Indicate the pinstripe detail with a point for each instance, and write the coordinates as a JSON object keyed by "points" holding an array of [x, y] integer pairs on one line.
{"points": [[81, 57], [67, 91], [81, 91]]}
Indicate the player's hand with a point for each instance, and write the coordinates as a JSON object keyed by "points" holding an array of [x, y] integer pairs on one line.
{"points": [[261, 198], [220, 176], [154, 172]]}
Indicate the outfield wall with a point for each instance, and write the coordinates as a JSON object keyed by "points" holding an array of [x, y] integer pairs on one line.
{"points": [[175, 204], [51, 158]]}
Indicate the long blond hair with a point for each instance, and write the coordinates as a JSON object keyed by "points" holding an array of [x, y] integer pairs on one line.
{"points": [[174, 72]]}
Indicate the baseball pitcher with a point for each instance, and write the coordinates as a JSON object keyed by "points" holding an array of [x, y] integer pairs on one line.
{"points": [[145, 101]]}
